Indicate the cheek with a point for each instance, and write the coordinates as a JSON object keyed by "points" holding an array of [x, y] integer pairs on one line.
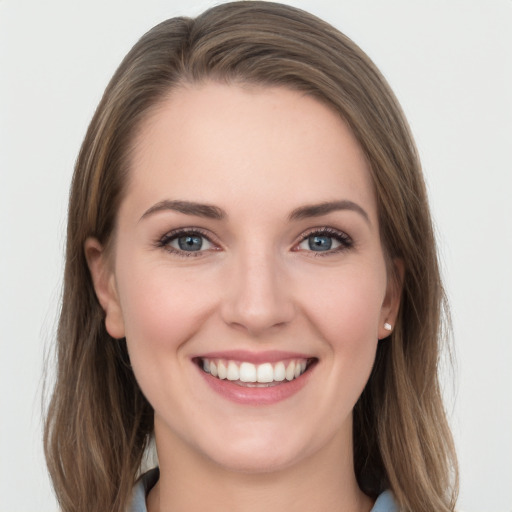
{"points": [[161, 311], [345, 309], [346, 313], [346, 303]]}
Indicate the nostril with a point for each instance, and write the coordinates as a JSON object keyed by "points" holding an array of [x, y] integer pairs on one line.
{"points": [[257, 298], [257, 322]]}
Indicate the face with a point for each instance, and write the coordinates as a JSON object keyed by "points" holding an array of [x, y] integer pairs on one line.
{"points": [[247, 275]]}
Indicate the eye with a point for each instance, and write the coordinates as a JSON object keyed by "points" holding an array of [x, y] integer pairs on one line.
{"points": [[190, 242], [325, 240], [186, 242]]}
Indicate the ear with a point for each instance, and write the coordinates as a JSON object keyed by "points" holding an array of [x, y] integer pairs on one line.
{"points": [[391, 304], [104, 282]]}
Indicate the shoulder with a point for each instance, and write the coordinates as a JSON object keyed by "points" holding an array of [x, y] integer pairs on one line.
{"points": [[385, 503], [141, 489]]}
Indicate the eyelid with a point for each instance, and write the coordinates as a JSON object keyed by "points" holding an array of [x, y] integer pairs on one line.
{"points": [[345, 240], [164, 241]]}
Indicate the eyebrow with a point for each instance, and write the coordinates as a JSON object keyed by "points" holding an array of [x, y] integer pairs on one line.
{"points": [[317, 210], [188, 208], [214, 212]]}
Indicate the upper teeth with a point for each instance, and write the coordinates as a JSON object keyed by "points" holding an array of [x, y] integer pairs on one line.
{"points": [[249, 372]]}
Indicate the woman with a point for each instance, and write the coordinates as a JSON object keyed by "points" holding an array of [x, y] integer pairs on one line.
{"points": [[252, 279]]}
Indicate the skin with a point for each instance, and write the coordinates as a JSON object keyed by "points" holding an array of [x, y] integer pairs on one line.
{"points": [[258, 154]]}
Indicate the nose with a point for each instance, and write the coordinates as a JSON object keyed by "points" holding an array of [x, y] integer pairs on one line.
{"points": [[258, 297]]}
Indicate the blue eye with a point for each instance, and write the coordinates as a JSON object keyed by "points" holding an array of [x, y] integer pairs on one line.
{"points": [[189, 242], [185, 242], [319, 243], [325, 240]]}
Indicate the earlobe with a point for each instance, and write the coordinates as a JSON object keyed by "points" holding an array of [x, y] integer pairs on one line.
{"points": [[103, 279], [391, 304]]}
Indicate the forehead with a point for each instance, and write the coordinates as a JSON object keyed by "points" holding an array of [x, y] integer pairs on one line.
{"points": [[215, 142]]}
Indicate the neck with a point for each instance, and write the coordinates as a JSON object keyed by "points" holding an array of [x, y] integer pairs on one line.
{"points": [[324, 482]]}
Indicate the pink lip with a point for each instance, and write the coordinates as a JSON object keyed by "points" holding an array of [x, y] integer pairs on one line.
{"points": [[271, 356], [255, 395]]}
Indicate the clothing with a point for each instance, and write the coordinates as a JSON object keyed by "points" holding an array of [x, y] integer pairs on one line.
{"points": [[385, 502], [141, 489]]}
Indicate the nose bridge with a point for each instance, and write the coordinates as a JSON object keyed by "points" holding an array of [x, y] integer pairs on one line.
{"points": [[257, 296]]}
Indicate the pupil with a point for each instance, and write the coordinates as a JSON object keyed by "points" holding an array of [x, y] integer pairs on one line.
{"points": [[320, 243], [190, 243]]}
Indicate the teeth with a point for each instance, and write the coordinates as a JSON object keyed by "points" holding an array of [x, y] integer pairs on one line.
{"points": [[248, 372], [290, 371], [265, 373], [252, 373], [280, 372], [222, 371], [233, 373]]}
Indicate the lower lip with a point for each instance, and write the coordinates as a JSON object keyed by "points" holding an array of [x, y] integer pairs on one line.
{"points": [[256, 395]]}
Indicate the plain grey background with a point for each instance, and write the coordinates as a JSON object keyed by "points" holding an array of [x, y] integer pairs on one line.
{"points": [[449, 63]]}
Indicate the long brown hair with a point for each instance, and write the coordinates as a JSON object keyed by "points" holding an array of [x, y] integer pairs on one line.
{"points": [[98, 422]]}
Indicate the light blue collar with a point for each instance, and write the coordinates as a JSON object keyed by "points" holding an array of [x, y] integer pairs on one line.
{"points": [[385, 502]]}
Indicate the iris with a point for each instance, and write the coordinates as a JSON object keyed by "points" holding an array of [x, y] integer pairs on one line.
{"points": [[320, 242], [190, 242]]}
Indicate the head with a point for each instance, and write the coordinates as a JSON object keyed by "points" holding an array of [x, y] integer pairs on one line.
{"points": [[399, 416]]}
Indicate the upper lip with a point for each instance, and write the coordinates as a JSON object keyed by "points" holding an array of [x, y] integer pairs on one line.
{"points": [[269, 356]]}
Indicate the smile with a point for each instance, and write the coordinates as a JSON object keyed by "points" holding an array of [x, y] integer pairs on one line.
{"points": [[258, 375]]}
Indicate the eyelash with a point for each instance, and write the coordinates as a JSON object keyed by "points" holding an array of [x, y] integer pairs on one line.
{"points": [[344, 240], [165, 241]]}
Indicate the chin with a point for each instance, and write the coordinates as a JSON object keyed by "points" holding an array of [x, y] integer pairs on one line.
{"points": [[250, 463], [258, 454]]}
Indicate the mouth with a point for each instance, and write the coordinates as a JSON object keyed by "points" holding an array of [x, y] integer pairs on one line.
{"points": [[251, 375]]}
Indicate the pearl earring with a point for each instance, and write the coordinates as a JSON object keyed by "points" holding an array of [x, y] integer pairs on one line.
{"points": [[387, 326]]}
